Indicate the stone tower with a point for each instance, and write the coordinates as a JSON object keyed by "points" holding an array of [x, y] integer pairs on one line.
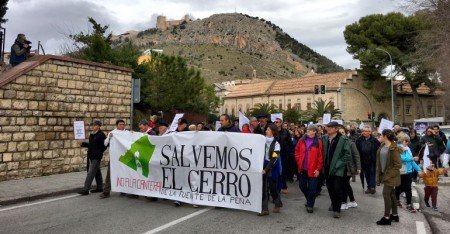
{"points": [[161, 22]]}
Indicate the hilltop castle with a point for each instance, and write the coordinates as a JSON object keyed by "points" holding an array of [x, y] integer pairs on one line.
{"points": [[162, 23]]}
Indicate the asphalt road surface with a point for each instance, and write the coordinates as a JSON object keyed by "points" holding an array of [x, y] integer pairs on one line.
{"points": [[119, 214]]}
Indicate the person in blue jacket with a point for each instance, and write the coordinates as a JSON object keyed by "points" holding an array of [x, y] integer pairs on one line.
{"points": [[406, 172]]}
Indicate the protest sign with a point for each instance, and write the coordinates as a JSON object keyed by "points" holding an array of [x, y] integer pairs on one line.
{"points": [[242, 120], [274, 116], [326, 118], [218, 125], [203, 168], [78, 130], [174, 124], [385, 124]]}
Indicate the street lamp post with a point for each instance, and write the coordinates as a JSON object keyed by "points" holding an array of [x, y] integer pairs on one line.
{"points": [[392, 85]]}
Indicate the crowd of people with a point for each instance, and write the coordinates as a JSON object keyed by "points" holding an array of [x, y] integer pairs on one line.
{"points": [[316, 155]]}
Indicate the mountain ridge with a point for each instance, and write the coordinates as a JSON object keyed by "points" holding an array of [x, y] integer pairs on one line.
{"points": [[233, 46]]}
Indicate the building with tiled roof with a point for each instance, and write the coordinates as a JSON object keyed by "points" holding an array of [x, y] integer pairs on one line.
{"points": [[345, 89]]}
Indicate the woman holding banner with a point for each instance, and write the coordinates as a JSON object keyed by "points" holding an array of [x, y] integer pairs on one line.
{"points": [[271, 172]]}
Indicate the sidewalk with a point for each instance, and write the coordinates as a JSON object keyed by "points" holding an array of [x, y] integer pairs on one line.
{"points": [[15, 191]]}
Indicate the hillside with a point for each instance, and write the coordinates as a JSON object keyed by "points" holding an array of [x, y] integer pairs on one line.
{"points": [[231, 46]]}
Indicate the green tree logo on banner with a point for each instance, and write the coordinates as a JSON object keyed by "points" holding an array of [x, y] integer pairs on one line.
{"points": [[139, 155]]}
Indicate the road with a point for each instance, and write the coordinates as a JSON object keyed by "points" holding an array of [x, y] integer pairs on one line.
{"points": [[438, 220], [119, 214]]}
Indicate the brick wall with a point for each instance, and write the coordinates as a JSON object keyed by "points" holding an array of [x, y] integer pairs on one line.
{"points": [[38, 108]]}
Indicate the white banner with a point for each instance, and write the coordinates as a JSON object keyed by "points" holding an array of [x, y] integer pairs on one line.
{"points": [[203, 168]]}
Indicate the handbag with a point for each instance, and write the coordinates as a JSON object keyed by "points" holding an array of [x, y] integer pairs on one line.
{"points": [[403, 169]]}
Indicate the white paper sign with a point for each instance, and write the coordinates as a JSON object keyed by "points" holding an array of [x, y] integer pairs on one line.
{"points": [[361, 126], [157, 166], [426, 159], [274, 116], [78, 130], [218, 125], [385, 124], [174, 124], [243, 120], [326, 118], [339, 121]]}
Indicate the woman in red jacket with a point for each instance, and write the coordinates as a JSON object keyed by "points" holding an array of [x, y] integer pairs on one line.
{"points": [[309, 157]]}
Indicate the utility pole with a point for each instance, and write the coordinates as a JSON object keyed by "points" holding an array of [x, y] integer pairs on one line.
{"points": [[392, 85]]}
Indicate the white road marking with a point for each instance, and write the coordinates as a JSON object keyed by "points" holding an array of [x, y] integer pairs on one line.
{"points": [[420, 226], [40, 202], [416, 205], [177, 221]]}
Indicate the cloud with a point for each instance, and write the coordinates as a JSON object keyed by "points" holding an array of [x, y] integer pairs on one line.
{"points": [[318, 24], [52, 21]]}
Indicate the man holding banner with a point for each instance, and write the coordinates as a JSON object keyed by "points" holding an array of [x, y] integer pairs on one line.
{"points": [[226, 124]]}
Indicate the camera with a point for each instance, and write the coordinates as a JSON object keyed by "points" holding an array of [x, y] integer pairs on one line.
{"points": [[29, 46]]}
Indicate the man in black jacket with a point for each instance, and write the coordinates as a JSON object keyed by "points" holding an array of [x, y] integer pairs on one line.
{"points": [[367, 147], [285, 140], [227, 125], [96, 148]]}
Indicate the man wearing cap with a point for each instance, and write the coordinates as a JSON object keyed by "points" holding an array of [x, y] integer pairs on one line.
{"points": [[263, 123], [163, 128], [95, 153], [336, 151]]}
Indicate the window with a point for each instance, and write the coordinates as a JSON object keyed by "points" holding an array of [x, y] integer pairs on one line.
{"points": [[240, 107], [308, 103], [397, 111], [289, 105], [232, 111], [226, 109], [280, 105], [331, 101], [247, 108], [408, 105], [430, 108], [298, 105], [439, 109]]}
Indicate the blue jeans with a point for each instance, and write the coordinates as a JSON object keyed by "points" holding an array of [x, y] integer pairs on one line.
{"points": [[308, 185], [368, 170]]}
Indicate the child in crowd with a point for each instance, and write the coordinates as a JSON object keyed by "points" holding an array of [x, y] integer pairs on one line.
{"points": [[430, 179]]}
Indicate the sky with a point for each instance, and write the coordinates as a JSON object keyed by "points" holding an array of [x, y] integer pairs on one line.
{"points": [[318, 24]]}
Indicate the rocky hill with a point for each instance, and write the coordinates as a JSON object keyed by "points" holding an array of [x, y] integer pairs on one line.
{"points": [[232, 46]]}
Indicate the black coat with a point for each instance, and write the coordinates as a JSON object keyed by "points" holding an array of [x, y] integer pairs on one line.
{"points": [[261, 131], [285, 140], [230, 128], [96, 145], [367, 158]]}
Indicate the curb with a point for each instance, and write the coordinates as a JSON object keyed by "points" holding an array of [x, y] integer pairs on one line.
{"points": [[39, 196]]}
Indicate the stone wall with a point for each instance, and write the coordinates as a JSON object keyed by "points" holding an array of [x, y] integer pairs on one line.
{"points": [[38, 108]]}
